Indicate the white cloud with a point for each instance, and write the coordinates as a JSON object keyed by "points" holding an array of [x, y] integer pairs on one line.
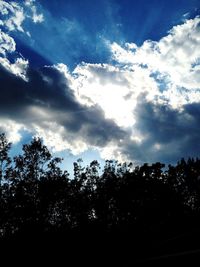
{"points": [[37, 18], [112, 151], [29, 2], [14, 14], [176, 57], [114, 89], [166, 72], [7, 43], [60, 140], [12, 129], [19, 67]]}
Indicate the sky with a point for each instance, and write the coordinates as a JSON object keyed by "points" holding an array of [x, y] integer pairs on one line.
{"points": [[101, 80]]}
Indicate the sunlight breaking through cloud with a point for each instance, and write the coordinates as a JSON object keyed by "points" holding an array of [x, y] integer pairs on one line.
{"points": [[146, 98]]}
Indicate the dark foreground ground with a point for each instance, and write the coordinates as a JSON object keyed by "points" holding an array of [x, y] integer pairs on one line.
{"points": [[102, 249]]}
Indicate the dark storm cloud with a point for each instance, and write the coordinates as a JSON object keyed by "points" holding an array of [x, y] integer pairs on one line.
{"points": [[47, 91], [46, 88], [169, 134]]}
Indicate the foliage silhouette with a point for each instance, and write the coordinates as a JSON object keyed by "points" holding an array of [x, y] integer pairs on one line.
{"points": [[123, 215]]}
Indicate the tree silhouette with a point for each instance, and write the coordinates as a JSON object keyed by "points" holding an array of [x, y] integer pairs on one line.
{"points": [[133, 212], [5, 160]]}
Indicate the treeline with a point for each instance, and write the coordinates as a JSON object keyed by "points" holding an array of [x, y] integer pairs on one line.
{"points": [[133, 212]]}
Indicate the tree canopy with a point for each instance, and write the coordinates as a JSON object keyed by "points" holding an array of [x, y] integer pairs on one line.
{"points": [[133, 210]]}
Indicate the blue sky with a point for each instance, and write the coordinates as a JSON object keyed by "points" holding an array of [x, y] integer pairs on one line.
{"points": [[78, 30], [102, 79]]}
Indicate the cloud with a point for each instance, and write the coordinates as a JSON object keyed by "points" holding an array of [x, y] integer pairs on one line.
{"points": [[7, 43], [14, 14], [175, 59], [167, 71], [114, 88], [144, 105], [19, 67], [7, 47], [12, 128], [147, 91], [46, 103], [167, 134], [36, 17], [160, 133]]}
